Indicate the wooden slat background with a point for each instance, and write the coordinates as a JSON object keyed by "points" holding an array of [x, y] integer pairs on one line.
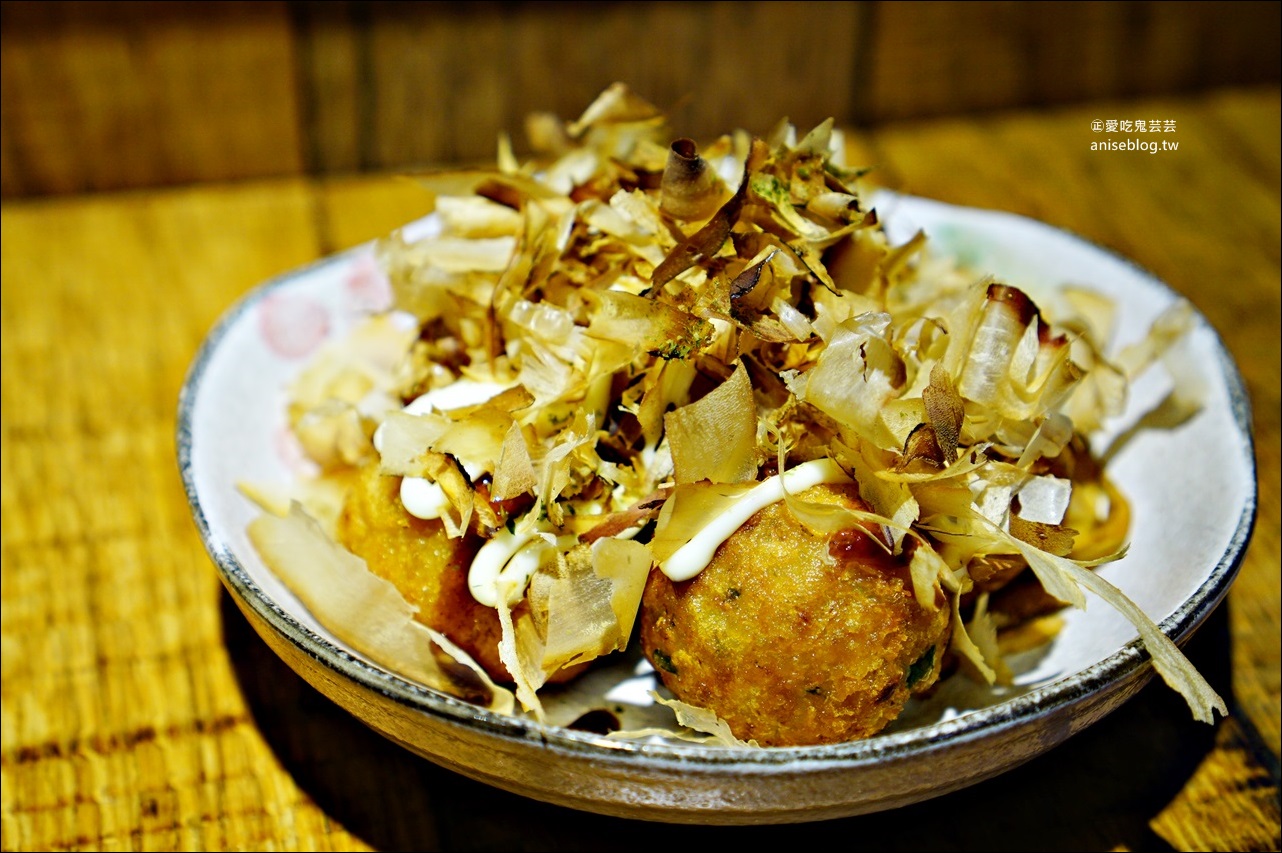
{"points": [[141, 712], [100, 96]]}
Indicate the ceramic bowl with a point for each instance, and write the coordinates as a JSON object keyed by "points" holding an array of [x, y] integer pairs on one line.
{"points": [[1193, 493]]}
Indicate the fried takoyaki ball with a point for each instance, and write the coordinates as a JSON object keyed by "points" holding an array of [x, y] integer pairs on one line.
{"points": [[794, 637], [423, 562]]}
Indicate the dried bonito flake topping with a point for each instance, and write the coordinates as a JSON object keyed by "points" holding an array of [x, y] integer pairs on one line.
{"points": [[626, 342]]}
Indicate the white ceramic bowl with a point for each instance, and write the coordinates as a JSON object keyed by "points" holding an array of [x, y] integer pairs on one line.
{"points": [[1193, 493]]}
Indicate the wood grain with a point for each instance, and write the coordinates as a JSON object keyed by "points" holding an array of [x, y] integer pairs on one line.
{"points": [[144, 94], [939, 58], [431, 95], [926, 62], [103, 96], [141, 712]]}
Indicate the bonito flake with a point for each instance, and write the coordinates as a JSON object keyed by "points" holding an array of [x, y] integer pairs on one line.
{"points": [[666, 325]]}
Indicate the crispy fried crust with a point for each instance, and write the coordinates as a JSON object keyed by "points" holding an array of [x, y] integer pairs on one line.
{"points": [[429, 568], [793, 637]]}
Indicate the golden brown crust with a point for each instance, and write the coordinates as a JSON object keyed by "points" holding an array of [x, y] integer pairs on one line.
{"points": [[429, 568], [792, 637]]}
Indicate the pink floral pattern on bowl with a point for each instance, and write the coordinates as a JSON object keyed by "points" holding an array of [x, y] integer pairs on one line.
{"points": [[1192, 522]]}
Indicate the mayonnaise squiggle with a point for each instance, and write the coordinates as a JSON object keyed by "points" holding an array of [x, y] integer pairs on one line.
{"points": [[423, 498], [691, 558], [505, 564]]}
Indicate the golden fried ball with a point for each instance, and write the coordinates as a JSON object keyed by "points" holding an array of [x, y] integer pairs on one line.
{"points": [[423, 562], [794, 637]]}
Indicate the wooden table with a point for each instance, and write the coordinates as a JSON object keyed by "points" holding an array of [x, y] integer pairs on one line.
{"points": [[141, 712]]}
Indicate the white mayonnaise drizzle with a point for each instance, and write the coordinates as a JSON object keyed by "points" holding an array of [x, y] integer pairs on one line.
{"points": [[691, 558], [508, 560], [505, 564], [422, 498]]}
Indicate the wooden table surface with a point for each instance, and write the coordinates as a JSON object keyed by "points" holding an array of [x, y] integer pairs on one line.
{"points": [[141, 712]]}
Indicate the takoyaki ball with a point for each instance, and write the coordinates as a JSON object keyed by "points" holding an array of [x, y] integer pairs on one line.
{"points": [[427, 566], [795, 637]]}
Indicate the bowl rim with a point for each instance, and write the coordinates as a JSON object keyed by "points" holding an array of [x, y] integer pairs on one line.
{"points": [[1110, 673]]}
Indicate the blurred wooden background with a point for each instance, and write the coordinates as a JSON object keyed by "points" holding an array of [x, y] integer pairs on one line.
{"points": [[141, 712], [106, 96]]}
